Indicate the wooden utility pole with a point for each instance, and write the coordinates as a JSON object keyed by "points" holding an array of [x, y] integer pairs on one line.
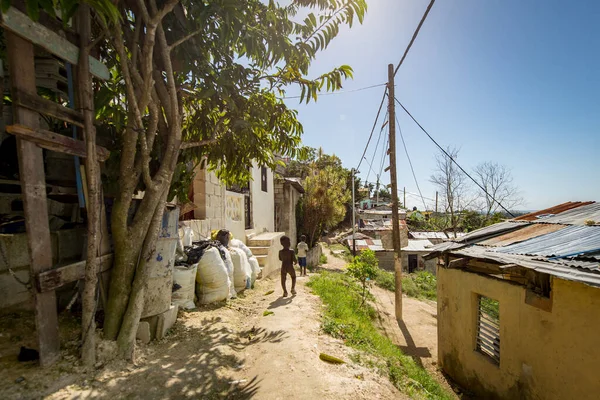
{"points": [[394, 182], [436, 202], [353, 172], [404, 193]]}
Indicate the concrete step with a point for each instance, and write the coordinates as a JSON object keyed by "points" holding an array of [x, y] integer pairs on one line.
{"points": [[265, 239], [262, 260], [259, 251]]}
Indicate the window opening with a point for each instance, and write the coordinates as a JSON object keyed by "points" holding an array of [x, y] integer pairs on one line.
{"points": [[488, 328]]}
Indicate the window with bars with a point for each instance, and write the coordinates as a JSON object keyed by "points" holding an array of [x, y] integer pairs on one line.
{"points": [[488, 328]]}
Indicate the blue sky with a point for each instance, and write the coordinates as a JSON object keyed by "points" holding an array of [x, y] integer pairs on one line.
{"points": [[511, 81]]}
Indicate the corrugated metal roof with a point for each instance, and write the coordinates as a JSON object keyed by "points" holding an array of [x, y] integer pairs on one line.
{"points": [[588, 274], [520, 235], [576, 216], [418, 245], [569, 241], [552, 210], [371, 244], [428, 235], [492, 230], [446, 246]]}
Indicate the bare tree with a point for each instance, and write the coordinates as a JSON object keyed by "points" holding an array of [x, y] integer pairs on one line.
{"points": [[452, 185], [497, 181]]}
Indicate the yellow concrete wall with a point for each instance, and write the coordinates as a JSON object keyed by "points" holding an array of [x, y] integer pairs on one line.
{"points": [[543, 355]]}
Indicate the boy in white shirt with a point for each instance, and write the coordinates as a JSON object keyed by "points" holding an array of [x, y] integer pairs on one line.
{"points": [[302, 250]]}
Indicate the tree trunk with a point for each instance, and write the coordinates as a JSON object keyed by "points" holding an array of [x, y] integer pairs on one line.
{"points": [[131, 318], [88, 352], [126, 258]]}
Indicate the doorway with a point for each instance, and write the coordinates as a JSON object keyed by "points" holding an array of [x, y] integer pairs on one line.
{"points": [[412, 263]]}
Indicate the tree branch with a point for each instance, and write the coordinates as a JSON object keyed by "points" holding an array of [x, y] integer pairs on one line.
{"points": [[184, 39]]}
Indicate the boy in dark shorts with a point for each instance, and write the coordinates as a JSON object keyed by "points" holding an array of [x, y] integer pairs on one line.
{"points": [[288, 259], [302, 253]]}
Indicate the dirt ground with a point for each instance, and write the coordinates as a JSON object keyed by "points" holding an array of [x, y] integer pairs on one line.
{"points": [[227, 351]]}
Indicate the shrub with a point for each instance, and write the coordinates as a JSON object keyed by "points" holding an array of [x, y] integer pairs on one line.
{"points": [[363, 268], [323, 259]]}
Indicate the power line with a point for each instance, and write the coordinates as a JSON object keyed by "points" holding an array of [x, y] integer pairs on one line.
{"points": [[376, 147], [453, 160], [342, 91], [373, 129], [410, 163], [412, 40]]}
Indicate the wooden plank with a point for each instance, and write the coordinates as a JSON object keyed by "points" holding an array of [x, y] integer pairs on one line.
{"points": [[55, 142], [47, 107], [15, 21], [33, 187], [55, 278], [458, 263]]}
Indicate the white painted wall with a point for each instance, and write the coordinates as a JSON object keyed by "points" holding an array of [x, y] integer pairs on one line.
{"points": [[263, 203]]}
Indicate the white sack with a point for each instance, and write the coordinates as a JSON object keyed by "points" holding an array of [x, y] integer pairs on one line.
{"points": [[229, 266], [212, 279], [242, 272], [240, 245], [255, 268], [185, 277]]}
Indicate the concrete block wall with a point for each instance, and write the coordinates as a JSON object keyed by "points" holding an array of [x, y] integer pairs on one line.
{"points": [[67, 245], [386, 260], [209, 198]]}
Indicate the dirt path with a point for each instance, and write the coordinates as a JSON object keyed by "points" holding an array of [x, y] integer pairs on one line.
{"points": [[233, 351], [222, 351]]}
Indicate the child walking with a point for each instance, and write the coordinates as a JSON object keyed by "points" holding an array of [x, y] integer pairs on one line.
{"points": [[302, 251], [288, 259]]}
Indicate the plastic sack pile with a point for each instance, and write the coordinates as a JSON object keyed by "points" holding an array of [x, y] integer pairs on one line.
{"points": [[211, 271]]}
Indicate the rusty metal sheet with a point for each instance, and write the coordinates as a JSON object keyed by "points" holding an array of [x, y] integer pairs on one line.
{"points": [[525, 233], [534, 216]]}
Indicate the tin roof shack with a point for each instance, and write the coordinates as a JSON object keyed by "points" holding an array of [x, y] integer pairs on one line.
{"points": [[518, 307], [412, 256], [385, 257]]}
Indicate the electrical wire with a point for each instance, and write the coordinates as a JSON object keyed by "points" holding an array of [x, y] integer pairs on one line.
{"points": [[410, 163], [373, 129], [454, 161], [341, 91], [385, 121], [412, 40]]}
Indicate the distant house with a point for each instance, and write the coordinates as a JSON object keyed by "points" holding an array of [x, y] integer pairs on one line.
{"points": [[519, 306], [412, 256]]}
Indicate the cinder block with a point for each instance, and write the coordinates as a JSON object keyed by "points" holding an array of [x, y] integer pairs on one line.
{"points": [[143, 332], [166, 321]]}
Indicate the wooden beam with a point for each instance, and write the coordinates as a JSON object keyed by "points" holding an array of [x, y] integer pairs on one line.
{"points": [[55, 278], [33, 187], [458, 263], [47, 107], [54, 141], [15, 21]]}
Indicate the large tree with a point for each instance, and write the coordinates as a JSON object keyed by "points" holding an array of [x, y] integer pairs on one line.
{"points": [[193, 82], [497, 181], [451, 183], [206, 78], [324, 202]]}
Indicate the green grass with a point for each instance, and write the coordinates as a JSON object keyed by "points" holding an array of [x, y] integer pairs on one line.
{"points": [[420, 285], [323, 259], [345, 319]]}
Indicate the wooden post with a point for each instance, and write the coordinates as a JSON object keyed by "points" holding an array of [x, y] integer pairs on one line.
{"points": [[436, 202], [352, 172], [33, 187], [394, 182], [404, 193]]}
